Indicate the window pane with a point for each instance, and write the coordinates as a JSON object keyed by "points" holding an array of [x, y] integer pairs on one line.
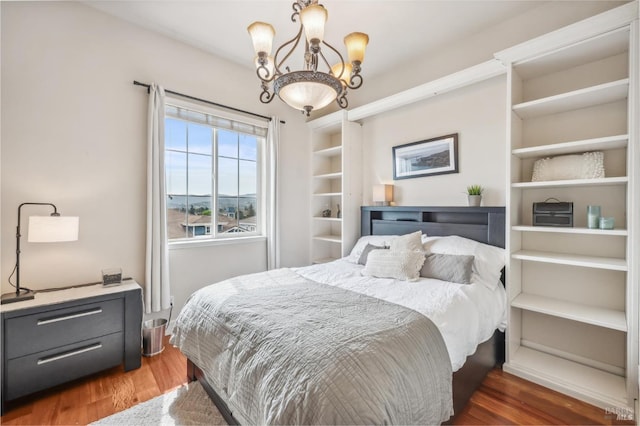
{"points": [[199, 196], [227, 177], [248, 218], [248, 147], [248, 178], [227, 144], [227, 214], [176, 179], [200, 138], [175, 134]]}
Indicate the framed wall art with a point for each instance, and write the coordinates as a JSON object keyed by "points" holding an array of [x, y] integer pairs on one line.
{"points": [[429, 157]]}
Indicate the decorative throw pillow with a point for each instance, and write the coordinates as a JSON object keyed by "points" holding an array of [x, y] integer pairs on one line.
{"points": [[401, 265], [378, 240], [365, 253], [488, 260], [455, 268], [589, 165], [408, 242]]}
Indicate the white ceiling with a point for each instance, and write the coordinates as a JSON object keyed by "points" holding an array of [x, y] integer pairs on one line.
{"points": [[399, 30]]}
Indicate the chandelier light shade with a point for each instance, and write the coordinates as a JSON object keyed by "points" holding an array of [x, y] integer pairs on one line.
{"points": [[356, 44], [317, 84], [313, 19], [262, 36]]}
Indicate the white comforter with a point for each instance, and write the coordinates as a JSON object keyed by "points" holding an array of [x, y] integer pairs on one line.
{"points": [[465, 314], [282, 349]]}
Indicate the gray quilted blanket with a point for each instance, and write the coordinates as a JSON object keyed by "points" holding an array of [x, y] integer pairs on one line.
{"points": [[281, 349]]}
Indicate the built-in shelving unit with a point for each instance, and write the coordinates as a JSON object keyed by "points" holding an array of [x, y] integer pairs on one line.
{"points": [[569, 288], [336, 184]]}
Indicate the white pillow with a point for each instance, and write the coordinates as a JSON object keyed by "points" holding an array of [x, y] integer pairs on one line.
{"points": [[376, 240], [407, 242], [401, 265], [487, 263], [589, 165]]}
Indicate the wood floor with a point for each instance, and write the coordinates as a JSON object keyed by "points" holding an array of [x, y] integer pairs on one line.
{"points": [[502, 399]]}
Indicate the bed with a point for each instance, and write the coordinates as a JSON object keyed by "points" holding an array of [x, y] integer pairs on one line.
{"points": [[343, 342]]}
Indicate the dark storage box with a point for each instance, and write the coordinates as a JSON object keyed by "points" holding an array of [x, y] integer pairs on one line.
{"points": [[553, 214]]}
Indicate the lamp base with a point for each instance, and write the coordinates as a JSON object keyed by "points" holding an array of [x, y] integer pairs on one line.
{"points": [[17, 296]]}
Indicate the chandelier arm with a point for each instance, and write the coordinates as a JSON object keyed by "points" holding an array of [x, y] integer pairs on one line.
{"points": [[268, 77], [266, 96], [335, 51], [324, 59], [296, 11], [295, 39], [356, 81], [342, 100]]}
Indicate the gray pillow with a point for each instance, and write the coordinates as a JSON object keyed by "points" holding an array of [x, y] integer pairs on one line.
{"points": [[454, 268], [362, 260]]}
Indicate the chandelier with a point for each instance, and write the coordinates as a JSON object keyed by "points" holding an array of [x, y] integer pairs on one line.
{"points": [[309, 88]]}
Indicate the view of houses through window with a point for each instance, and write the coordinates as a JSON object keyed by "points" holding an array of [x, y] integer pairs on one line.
{"points": [[212, 175]]}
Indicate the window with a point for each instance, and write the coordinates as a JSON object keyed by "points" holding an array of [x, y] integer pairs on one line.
{"points": [[213, 167]]}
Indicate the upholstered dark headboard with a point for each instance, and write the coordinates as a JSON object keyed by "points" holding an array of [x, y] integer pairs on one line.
{"points": [[484, 224]]}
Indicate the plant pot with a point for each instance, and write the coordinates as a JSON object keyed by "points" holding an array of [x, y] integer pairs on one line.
{"points": [[474, 200]]}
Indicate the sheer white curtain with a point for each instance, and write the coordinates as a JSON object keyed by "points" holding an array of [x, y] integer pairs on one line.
{"points": [[157, 292], [273, 146]]}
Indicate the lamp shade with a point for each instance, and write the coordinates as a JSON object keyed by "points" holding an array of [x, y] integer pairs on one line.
{"points": [[307, 90], [49, 229], [342, 73], [356, 44], [382, 194], [313, 19], [262, 37]]}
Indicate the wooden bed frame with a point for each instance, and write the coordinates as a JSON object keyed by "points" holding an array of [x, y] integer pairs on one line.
{"points": [[483, 224]]}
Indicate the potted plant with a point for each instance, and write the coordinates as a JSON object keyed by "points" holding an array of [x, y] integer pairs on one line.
{"points": [[474, 195]]}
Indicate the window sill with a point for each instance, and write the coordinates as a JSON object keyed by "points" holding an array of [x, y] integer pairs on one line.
{"points": [[187, 244]]}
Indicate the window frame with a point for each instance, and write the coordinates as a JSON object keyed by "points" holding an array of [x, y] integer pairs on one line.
{"points": [[215, 237]]}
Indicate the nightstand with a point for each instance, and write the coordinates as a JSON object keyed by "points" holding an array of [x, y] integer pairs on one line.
{"points": [[63, 335]]}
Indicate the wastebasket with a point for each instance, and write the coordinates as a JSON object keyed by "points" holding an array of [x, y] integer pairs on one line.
{"points": [[152, 336]]}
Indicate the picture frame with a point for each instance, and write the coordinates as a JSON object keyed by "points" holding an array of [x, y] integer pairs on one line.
{"points": [[430, 157]]}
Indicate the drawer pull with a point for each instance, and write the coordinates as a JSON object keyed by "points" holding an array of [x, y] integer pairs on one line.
{"points": [[68, 354], [68, 317]]}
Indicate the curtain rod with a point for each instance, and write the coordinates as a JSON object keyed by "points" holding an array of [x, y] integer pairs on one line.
{"points": [[137, 83]]}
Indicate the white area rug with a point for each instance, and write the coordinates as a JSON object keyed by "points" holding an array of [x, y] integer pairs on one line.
{"points": [[186, 405]]}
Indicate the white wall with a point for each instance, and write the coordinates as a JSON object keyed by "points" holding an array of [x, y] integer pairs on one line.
{"points": [[74, 133], [476, 113]]}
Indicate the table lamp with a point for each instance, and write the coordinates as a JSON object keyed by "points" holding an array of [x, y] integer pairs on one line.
{"points": [[382, 194], [42, 229]]}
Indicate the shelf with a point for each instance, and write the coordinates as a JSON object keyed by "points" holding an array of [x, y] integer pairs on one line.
{"points": [[587, 51], [618, 180], [609, 263], [329, 152], [596, 386], [336, 175], [566, 230], [573, 147], [601, 317], [583, 98], [328, 194], [328, 219], [328, 238]]}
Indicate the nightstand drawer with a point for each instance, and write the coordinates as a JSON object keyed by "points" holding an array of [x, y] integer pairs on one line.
{"points": [[33, 333], [42, 370]]}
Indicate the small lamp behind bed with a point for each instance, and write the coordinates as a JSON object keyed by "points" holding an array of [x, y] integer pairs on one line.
{"points": [[382, 194]]}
